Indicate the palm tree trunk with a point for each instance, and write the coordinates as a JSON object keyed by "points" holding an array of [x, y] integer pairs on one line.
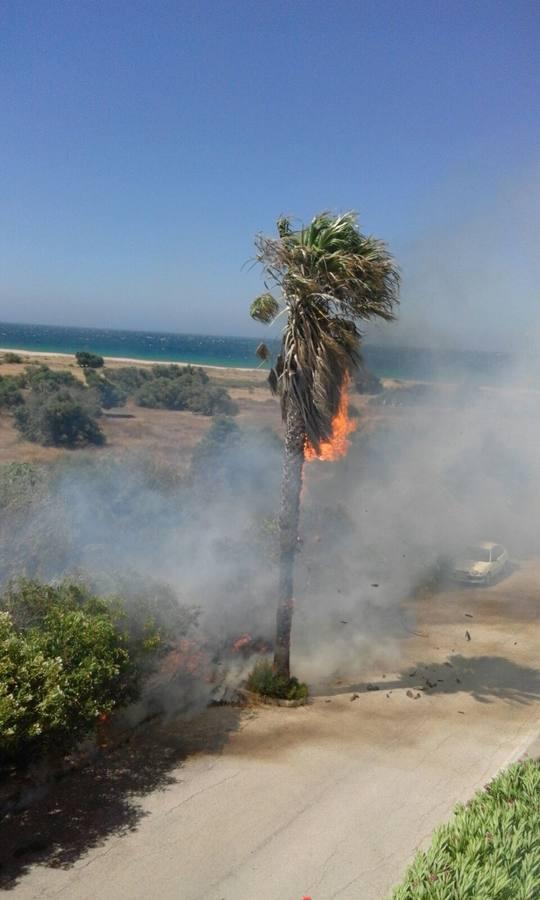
{"points": [[289, 514]]}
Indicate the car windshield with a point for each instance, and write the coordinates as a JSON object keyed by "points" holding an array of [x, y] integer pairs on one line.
{"points": [[479, 554]]}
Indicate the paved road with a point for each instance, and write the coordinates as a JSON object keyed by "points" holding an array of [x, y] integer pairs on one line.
{"points": [[329, 801]]}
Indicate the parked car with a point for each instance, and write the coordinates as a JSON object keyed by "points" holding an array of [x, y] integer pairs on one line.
{"points": [[480, 564]]}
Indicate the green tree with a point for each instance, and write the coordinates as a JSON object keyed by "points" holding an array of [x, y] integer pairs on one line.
{"points": [[330, 277], [87, 360]]}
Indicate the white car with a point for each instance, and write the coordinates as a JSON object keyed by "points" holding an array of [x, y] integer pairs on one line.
{"points": [[480, 564]]}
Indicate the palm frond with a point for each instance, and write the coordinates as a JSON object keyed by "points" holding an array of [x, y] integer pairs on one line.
{"points": [[331, 277], [264, 308]]}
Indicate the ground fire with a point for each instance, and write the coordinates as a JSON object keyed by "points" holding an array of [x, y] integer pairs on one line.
{"points": [[342, 427]]}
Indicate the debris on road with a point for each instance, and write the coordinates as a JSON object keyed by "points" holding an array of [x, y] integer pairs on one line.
{"points": [[469, 615], [372, 687], [354, 697], [468, 635]]}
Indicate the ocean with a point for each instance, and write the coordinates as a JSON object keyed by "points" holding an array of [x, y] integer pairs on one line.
{"points": [[239, 352]]}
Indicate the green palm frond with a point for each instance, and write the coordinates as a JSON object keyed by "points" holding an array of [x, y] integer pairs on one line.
{"points": [[264, 308], [331, 277]]}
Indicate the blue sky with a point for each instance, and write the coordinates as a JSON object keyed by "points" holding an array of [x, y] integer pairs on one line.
{"points": [[145, 143]]}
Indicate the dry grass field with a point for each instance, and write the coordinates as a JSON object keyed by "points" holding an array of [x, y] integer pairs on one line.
{"points": [[169, 435]]}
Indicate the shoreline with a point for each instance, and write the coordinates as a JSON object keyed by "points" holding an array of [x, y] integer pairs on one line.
{"points": [[53, 354]]}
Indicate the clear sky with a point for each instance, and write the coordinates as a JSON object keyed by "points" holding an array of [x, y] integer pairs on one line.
{"points": [[144, 143]]}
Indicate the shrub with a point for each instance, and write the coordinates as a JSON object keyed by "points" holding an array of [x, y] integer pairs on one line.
{"points": [[265, 682], [12, 358], [10, 394], [38, 375], [128, 378], [491, 848], [88, 360], [172, 387], [63, 663], [60, 416], [187, 372], [109, 394], [183, 388]]}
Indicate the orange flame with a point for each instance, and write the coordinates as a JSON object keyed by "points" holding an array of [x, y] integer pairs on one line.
{"points": [[243, 641], [342, 427]]}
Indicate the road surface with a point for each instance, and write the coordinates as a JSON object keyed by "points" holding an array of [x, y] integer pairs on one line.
{"points": [[327, 801]]}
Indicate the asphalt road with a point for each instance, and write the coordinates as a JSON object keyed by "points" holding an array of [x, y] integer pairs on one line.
{"points": [[327, 801]]}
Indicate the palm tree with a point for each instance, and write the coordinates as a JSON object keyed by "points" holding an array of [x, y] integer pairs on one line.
{"points": [[330, 277]]}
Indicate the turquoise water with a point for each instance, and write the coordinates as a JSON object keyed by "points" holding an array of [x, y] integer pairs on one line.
{"points": [[212, 350]]}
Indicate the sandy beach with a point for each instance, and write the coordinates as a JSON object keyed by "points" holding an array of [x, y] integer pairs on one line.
{"points": [[44, 355]]}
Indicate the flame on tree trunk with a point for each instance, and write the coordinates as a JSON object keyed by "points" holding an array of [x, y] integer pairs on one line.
{"points": [[297, 450], [289, 515], [342, 426]]}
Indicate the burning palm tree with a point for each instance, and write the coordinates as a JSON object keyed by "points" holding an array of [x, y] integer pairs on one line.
{"points": [[330, 277]]}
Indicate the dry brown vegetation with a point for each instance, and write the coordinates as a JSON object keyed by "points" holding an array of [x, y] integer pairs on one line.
{"points": [[170, 435]]}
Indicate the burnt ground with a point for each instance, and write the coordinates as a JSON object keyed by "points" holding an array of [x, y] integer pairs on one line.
{"points": [[329, 800]]}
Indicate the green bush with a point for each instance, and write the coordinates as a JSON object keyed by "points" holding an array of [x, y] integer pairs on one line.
{"points": [[38, 375], [491, 848], [63, 663], [59, 415], [88, 360], [172, 387], [110, 395], [12, 358], [191, 373], [265, 682], [183, 388], [128, 378], [10, 394]]}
